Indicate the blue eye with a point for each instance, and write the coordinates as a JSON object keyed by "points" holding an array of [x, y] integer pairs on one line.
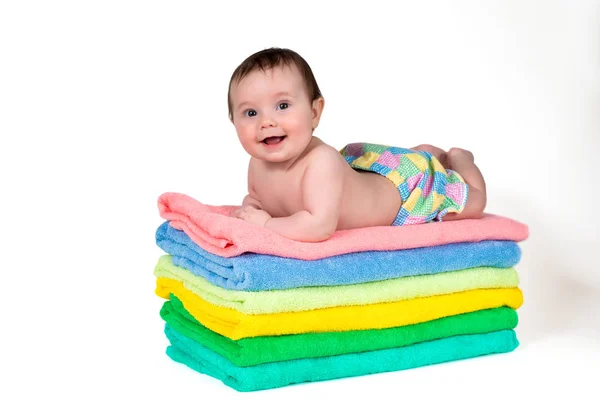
{"points": [[283, 106], [250, 113]]}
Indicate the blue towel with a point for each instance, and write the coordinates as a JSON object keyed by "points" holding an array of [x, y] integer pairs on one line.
{"points": [[256, 272]]}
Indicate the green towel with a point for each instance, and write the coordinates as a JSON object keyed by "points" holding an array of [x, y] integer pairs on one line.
{"points": [[311, 298], [264, 349], [277, 374]]}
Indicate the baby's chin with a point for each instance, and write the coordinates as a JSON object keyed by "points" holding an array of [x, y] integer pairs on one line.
{"points": [[275, 157], [280, 156]]}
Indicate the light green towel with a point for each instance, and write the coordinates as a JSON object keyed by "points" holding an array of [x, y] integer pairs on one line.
{"points": [[311, 298], [277, 374]]}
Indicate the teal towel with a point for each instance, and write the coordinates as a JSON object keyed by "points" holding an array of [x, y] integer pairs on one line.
{"points": [[278, 374]]}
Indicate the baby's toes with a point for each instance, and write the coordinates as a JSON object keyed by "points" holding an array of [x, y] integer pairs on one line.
{"points": [[454, 151], [457, 153]]}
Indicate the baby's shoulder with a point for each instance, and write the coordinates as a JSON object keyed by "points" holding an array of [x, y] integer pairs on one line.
{"points": [[256, 169], [325, 159], [323, 152]]}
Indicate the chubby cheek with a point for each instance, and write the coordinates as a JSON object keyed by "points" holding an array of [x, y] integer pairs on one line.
{"points": [[293, 125], [247, 137], [299, 131]]}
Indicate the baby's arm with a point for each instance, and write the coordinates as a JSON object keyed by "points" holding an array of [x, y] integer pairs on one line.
{"points": [[251, 198], [322, 188]]}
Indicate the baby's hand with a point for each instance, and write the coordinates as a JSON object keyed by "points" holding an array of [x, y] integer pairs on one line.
{"points": [[252, 215]]}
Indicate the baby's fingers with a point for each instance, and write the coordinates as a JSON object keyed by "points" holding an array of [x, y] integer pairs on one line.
{"points": [[237, 213]]}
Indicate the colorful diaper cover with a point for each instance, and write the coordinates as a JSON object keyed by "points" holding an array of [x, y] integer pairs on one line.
{"points": [[428, 190]]}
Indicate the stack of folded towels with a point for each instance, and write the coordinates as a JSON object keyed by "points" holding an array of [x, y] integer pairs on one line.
{"points": [[260, 311]]}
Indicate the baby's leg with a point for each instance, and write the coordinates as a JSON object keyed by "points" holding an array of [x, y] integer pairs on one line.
{"points": [[463, 162]]}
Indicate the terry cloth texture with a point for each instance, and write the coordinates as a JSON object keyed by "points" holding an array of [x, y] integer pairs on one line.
{"points": [[236, 325], [265, 349], [259, 272], [212, 229], [310, 298], [277, 374]]}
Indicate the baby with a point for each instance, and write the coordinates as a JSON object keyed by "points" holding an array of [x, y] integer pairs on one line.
{"points": [[303, 189]]}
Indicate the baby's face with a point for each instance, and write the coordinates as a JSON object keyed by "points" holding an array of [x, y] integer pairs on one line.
{"points": [[272, 114]]}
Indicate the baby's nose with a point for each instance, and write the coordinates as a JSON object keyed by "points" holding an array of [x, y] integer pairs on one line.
{"points": [[267, 122]]}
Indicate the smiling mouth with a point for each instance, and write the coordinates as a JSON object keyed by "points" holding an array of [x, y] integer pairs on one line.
{"points": [[273, 140]]}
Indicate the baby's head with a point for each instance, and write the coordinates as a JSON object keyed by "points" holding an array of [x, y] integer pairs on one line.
{"points": [[275, 104]]}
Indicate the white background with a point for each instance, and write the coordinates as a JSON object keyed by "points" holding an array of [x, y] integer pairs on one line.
{"points": [[106, 105]]}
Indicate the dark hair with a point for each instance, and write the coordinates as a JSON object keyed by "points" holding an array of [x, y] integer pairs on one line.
{"points": [[271, 58]]}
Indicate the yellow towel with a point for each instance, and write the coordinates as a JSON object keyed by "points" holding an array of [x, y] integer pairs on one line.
{"points": [[236, 325]]}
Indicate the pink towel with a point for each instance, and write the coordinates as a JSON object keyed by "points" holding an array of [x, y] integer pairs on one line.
{"points": [[211, 228]]}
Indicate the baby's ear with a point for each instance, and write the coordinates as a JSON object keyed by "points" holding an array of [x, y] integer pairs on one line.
{"points": [[317, 110]]}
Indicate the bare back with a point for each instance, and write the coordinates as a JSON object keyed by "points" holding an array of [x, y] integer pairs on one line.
{"points": [[368, 199]]}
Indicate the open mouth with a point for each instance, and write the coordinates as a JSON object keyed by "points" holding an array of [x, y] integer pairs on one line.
{"points": [[273, 140]]}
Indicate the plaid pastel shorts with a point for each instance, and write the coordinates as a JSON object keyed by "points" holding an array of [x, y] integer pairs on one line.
{"points": [[428, 190]]}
